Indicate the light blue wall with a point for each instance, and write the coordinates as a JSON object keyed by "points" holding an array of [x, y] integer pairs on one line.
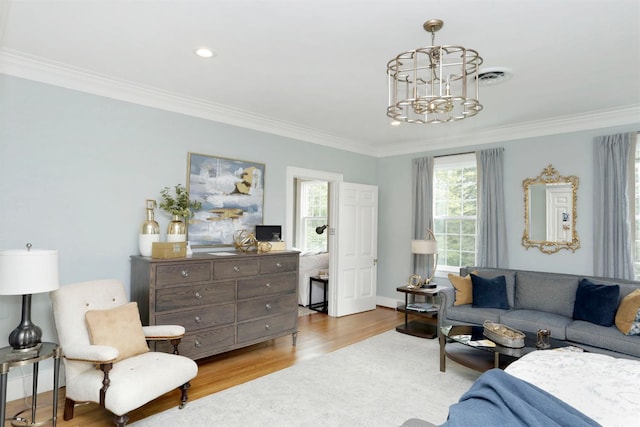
{"points": [[75, 170], [570, 154]]}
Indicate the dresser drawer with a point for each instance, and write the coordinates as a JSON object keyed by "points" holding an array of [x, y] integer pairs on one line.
{"points": [[202, 343], [267, 306], [183, 273], [200, 318], [235, 268], [267, 285], [177, 297], [268, 326], [278, 264]]}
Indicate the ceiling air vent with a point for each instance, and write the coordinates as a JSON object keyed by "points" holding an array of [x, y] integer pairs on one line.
{"points": [[493, 76]]}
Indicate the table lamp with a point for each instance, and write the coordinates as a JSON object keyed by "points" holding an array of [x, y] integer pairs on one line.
{"points": [[27, 272], [428, 246]]}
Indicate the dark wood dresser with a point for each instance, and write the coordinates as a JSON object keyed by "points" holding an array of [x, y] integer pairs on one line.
{"points": [[224, 302]]}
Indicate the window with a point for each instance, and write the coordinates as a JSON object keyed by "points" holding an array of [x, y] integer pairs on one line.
{"points": [[455, 211], [313, 196]]}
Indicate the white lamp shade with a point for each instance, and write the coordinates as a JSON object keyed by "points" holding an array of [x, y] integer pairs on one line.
{"points": [[428, 247], [25, 272]]}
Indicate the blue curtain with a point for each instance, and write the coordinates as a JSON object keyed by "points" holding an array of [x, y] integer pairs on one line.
{"points": [[422, 220], [491, 233], [613, 235]]}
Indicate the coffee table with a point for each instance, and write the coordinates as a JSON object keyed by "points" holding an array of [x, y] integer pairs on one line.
{"points": [[456, 344]]}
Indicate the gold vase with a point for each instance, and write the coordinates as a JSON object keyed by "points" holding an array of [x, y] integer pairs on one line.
{"points": [[177, 230], [149, 231]]}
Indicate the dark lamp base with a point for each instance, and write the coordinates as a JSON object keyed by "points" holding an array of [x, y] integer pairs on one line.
{"points": [[429, 286], [27, 335]]}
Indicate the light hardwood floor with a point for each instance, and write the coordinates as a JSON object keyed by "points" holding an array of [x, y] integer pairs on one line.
{"points": [[318, 335]]}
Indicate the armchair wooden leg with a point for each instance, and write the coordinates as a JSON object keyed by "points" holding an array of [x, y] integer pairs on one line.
{"points": [[184, 388], [68, 409], [106, 381], [121, 420]]}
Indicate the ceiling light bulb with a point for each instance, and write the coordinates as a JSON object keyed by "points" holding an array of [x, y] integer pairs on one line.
{"points": [[395, 123], [204, 52]]}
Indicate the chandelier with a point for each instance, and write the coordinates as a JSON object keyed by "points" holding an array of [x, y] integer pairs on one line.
{"points": [[434, 84]]}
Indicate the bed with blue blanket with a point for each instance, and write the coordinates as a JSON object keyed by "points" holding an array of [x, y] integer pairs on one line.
{"points": [[552, 388], [499, 398]]}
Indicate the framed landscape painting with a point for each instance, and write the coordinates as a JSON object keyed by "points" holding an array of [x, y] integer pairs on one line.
{"points": [[232, 196]]}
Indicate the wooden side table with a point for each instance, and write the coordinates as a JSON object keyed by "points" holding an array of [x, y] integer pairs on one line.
{"points": [[426, 326], [323, 306], [11, 359]]}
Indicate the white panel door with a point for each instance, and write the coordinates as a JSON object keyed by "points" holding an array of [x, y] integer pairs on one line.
{"points": [[357, 235], [559, 209]]}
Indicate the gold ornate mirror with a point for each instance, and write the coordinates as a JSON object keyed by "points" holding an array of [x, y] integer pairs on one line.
{"points": [[550, 212]]}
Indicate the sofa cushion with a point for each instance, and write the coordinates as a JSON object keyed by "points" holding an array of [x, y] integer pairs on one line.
{"points": [[609, 338], [532, 320], [118, 327], [596, 303], [627, 313], [462, 286], [490, 273], [468, 314], [550, 292], [489, 293]]}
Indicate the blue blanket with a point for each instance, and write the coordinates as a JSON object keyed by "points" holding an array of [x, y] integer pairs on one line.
{"points": [[500, 399]]}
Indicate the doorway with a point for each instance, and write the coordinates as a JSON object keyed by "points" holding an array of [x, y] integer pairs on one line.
{"points": [[294, 175]]}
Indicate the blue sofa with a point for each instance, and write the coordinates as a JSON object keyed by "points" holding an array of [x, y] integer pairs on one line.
{"points": [[539, 300]]}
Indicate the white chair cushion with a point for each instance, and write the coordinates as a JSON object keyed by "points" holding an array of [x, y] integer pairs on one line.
{"points": [[158, 372]]}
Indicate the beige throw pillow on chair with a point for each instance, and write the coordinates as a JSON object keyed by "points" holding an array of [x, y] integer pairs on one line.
{"points": [[118, 327]]}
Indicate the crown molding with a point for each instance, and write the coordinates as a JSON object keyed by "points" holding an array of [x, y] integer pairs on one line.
{"points": [[29, 67], [627, 115]]}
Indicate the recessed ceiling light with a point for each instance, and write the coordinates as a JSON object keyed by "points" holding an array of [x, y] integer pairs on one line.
{"points": [[204, 52]]}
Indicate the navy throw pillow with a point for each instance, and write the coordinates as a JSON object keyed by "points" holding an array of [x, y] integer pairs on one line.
{"points": [[489, 293], [596, 303]]}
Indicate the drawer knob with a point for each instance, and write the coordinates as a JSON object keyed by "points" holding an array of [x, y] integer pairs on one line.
{"points": [[236, 269], [267, 327], [198, 295], [197, 344], [268, 285], [184, 273], [279, 264], [197, 319], [268, 306]]}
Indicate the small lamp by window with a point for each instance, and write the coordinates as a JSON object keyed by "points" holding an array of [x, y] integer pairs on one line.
{"points": [[27, 272], [428, 246]]}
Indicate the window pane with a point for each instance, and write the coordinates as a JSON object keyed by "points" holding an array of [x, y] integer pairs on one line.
{"points": [[313, 208], [455, 207]]}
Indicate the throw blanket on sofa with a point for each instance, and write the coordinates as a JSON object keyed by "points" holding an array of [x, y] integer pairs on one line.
{"points": [[497, 398]]}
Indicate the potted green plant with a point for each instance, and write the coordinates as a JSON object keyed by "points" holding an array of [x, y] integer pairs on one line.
{"points": [[177, 203]]}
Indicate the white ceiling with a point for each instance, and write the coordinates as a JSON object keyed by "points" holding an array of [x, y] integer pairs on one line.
{"points": [[315, 70]]}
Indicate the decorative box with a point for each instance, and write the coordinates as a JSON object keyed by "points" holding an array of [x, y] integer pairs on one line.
{"points": [[278, 246], [166, 250]]}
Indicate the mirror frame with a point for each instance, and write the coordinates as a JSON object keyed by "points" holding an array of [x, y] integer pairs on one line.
{"points": [[550, 175]]}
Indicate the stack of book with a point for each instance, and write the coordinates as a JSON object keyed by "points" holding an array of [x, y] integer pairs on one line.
{"points": [[423, 307]]}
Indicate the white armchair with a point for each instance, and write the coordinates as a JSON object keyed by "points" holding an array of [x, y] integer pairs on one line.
{"points": [[98, 327]]}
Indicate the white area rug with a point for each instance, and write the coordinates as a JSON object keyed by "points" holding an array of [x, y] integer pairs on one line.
{"points": [[381, 381]]}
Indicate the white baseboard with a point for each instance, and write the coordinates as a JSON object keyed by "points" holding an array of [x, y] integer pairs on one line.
{"points": [[387, 302]]}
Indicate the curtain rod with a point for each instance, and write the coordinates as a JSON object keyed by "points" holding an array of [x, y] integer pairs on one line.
{"points": [[456, 154]]}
